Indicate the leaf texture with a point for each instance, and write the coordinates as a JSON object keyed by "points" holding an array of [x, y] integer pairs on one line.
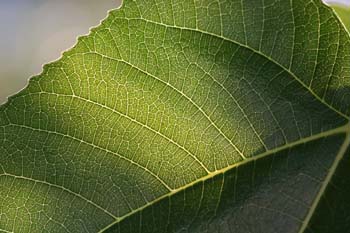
{"points": [[186, 116]]}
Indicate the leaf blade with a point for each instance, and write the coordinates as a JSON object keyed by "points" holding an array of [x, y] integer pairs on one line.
{"points": [[151, 102]]}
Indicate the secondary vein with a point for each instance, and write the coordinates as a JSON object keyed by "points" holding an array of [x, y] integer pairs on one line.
{"points": [[339, 130]]}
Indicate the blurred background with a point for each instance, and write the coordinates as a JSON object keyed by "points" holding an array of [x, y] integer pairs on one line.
{"points": [[35, 32]]}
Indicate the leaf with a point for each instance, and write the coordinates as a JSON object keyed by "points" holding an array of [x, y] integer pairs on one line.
{"points": [[186, 116], [343, 13]]}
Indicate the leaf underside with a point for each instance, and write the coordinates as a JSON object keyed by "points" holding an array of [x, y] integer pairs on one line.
{"points": [[186, 116]]}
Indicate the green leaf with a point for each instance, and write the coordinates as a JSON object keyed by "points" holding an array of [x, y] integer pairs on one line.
{"points": [[186, 116], [343, 12]]}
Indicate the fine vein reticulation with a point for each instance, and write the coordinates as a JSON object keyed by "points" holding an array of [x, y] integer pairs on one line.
{"points": [[185, 116]]}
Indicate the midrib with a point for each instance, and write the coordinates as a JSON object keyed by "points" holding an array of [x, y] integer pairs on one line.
{"points": [[326, 182], [342, 129]]}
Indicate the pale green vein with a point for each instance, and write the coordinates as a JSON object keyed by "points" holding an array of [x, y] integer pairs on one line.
{"points": [[229, 93], [97, 147], [290, 72], [181, 93], [326, 182], [318, 46], [340, 22], [294, 30], [268, 106], [343, 129], [333, 66], [221, 131], [5, 231], [133, 120], [236, 102], [61, 188]]}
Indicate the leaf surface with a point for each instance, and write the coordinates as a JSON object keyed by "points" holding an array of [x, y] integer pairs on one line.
{"points": [[185, 116], [343, 13]]}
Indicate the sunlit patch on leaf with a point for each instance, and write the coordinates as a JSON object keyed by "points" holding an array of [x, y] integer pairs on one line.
{"points": [[186, 116]]}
